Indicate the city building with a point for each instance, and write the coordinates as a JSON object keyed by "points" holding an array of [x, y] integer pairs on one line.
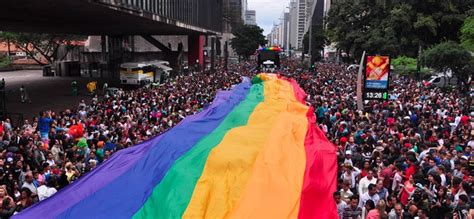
{"points": [[317, 13], [301, 22], [233, 15], [274, 36], [244, 8], [293, 24], [233, 11], [250, 17], [296, 19]]}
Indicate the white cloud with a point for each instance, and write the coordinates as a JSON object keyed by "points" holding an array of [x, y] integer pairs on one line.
{"points": [[268, 12]]}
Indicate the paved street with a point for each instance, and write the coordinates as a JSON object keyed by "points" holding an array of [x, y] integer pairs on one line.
{"points": [[45, 92]]}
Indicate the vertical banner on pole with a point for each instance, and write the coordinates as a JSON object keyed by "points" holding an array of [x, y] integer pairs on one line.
{"points": [[360, 105]]}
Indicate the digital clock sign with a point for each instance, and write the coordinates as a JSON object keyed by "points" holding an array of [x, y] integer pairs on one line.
{"points": [[375, 95], [377, 74]]}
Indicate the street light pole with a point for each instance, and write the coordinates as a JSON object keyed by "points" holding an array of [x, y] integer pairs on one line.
{"points": [[310, 55]]}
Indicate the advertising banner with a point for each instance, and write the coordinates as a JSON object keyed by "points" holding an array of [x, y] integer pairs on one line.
{"points": [[376, 80]]}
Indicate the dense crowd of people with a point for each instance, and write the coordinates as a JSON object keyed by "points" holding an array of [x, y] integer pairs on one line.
{"points": [[402, 158], [54, 149], [408, 157]]}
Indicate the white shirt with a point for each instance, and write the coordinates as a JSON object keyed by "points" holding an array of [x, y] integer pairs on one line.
{"points": [[349, 161], [443, 179], [352, 177], [364, 184], [30, 186], [457, 120], [396, 178], [471, 143], [422, 154], [50, 162], [365, 197], [45, 192]]}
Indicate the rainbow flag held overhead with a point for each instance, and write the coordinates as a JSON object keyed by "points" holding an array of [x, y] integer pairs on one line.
{"points": [[255, 152]]}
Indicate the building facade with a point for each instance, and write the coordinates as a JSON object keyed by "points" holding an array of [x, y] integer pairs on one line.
{"points": [[244, 9], [250, 17], [297, 21], [293, 24]]}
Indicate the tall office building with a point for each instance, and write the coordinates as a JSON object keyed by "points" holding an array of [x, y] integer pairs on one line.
{"points": [[297, 20], [293, 24], [244, 10], [301, 22], [285, 30], [232, 14], [310, 4], [232, 11], [250, 17]]}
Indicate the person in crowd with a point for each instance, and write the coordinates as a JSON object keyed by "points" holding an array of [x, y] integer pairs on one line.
{"points": [[350, 175], [396, 212], [47, 190], [368, 206], [353, 211], [341, 205], [378, 212], [345, 192], [25, 200], [371, 194], [407, 190], [30, 185], [8, 204], [25, 98], [382, 192], [366, 181]]}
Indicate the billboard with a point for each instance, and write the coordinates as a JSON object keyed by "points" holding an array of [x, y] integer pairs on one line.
{"points": [[377, 75]]}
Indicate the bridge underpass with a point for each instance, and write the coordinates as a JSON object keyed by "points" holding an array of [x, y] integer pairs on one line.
{"points": [[119, 19]]}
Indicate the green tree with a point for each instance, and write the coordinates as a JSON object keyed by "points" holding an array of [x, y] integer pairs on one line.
{"points": [[404, 65], [450, 56], [247, 38], [46, 45], [394, 27], [467, 34], [5, 62], [345, 26]]}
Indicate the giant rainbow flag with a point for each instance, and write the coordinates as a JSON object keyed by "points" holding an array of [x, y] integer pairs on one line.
{"points": [[255, 152]]}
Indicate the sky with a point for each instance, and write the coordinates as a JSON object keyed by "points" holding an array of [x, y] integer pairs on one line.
{"points": [[268, 12]]}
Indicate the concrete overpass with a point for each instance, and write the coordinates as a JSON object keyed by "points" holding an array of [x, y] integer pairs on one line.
{"points": [[118, 19], [112, 17]]}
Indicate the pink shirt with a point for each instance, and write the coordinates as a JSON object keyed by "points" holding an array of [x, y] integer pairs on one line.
{"points": [[40, 178], [373, 214]]}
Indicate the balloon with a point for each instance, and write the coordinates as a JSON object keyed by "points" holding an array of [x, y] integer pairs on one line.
{"points": [[45, 146], [100, 144], [82, 143], [76, 131]]}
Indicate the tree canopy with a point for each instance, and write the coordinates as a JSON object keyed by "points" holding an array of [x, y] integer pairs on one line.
{"points": [[450, 56], [394, 27], [247, 38], [46, 45], [467, 34]]}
